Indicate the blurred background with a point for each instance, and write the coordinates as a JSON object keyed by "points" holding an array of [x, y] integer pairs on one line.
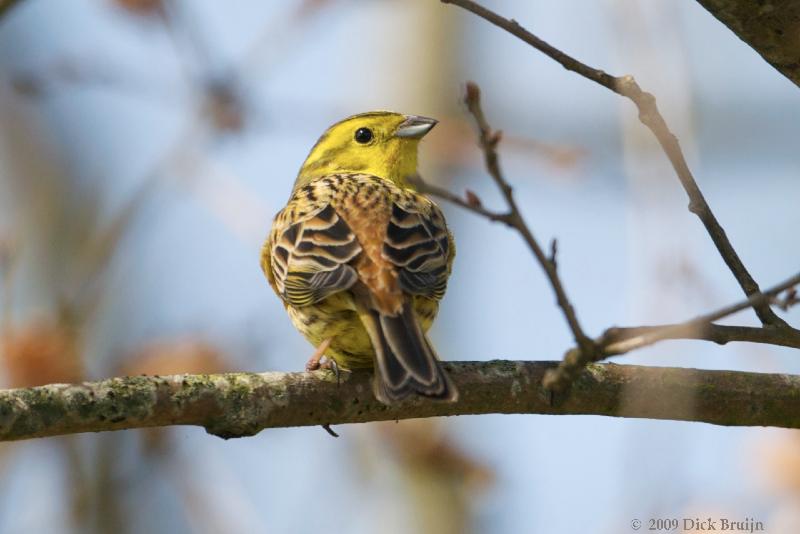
{"points": [[146, 144]]}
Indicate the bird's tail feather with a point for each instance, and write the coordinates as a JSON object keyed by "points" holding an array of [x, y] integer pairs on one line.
{"points": [[405, 362]]}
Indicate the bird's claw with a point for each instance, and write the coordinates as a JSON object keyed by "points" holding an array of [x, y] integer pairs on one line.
{"points": [[329, 430], [330, 364]]}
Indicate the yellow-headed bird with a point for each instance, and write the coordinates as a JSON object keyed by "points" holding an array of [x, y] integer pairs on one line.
{"points": [[361, 259]]}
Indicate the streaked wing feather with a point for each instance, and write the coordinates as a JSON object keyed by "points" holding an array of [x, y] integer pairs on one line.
{"points": [[310, 258], [419, 246]]}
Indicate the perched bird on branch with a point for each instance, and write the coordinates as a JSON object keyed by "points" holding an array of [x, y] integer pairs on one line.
{"points": [[361, 259]]}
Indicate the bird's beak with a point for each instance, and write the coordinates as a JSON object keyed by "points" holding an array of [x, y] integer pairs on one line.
{"points": [[414, 127]]}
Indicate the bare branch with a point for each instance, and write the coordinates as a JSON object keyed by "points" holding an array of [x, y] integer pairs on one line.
{"points": [[430, 189], [242, 404], [621, 340], [649, 116], [617, 341], [488, 140], [614, 341]]}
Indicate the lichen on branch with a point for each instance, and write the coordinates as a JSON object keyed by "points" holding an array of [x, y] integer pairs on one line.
{"points": [[242, 404]]}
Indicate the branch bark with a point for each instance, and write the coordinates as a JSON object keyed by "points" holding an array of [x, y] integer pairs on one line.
{"points": [[621, 340], [242, 404], [771, 29]]}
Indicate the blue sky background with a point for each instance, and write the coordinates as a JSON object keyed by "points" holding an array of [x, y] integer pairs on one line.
{"points": [[629, 251]]}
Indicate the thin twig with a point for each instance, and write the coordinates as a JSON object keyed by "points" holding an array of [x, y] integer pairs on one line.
{"points": [[488, 140], [649, 116], [619, 340], [618, 337], [791, 298], [441, 192], [616, 341]]}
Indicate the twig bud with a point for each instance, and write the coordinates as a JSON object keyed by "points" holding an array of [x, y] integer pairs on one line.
{"points": [[472, 199]]}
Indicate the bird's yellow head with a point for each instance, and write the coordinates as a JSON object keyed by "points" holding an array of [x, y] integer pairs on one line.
{"points": [[381, 143]]}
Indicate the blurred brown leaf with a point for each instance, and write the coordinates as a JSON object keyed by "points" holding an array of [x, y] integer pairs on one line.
{"points": [[442, 480], [141, 8], [308, 8], [419, 443], [175, 356], [41, 353], [781, 462], [560, 156], [455, 144]]}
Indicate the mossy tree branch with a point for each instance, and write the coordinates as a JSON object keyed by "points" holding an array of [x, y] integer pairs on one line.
{"points": [[771, 28], [242, 404]]}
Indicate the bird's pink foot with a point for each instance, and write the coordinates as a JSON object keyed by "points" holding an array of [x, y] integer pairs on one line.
{"points": [[313, 363]]}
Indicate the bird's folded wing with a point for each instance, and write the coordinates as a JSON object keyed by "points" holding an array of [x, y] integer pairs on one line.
{"points": [[418, 244], [310, 258]]}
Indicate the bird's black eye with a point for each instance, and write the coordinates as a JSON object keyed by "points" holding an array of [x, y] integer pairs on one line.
{"points": [[363, 135]]}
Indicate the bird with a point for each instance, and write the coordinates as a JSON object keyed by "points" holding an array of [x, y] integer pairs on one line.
{"points": [[361, 258]]}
